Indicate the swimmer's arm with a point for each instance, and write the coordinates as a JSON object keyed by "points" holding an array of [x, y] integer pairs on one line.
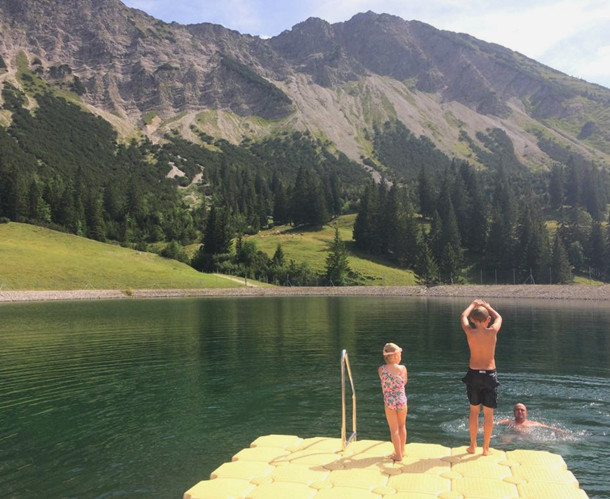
{"points": [[552, 428], [497, 323], [465, 314], [405, 375]]}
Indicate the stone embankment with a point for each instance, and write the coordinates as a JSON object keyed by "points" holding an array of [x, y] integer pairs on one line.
{"points": [[552, 292]]}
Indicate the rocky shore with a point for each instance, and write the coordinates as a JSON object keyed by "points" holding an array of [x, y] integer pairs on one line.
{"points": [[552, 292]]}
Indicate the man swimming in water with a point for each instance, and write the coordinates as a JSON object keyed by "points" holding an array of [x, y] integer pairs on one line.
{"points": [[521, 422]]}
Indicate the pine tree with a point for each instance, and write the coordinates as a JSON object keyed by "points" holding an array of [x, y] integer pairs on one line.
{"points": [[426, 193], [532, 248], [562, 273], [280, 205], [94, 217], [435, 236], [278, 259], [337, 265], [597, 250], [365, 227], [573, 184], [216, 241], [388, 223], [451, 264], [405, 244], [556, 183], [426, 267]]}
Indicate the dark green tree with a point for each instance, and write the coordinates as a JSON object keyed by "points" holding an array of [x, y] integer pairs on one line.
{"points": [[532, 246], [556, 186], [365, 226], [597, 250], [561, 270], [216, 245], [427, 195], [337, 264], [426, 267], [278, 258]]}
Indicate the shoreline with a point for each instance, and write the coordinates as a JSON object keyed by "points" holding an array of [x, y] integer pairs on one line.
{"points": [[529, 291]]}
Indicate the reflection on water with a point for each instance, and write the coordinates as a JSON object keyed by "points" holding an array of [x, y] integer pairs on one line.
{"points": [[145, 398]]}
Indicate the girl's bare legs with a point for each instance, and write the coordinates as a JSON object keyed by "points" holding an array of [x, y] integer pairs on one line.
{"points": [[398, 431]]}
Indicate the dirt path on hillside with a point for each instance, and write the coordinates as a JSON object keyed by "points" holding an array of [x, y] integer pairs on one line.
{"points": [[538, 292]]}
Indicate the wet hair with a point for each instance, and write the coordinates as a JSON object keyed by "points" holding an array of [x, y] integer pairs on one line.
{"points": [[479, 314], [389, 349]]}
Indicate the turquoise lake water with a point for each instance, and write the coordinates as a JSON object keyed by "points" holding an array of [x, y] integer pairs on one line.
{"points": [[137, 398]]}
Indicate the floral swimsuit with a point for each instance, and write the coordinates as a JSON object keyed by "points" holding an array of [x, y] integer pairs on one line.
{"points": [[393, 387]]}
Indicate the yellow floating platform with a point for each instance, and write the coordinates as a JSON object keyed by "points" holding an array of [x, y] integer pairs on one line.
{"points": [[286, 466]]}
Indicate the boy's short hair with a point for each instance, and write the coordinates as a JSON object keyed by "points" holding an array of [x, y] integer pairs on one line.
{"points": [[479, 314]]}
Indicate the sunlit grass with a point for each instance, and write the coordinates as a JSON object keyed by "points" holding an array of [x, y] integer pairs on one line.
{"points": [[311, 246], [34, 258]]}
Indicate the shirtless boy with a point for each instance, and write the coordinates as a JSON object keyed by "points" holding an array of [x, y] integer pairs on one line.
{"points": [[481, 379]]}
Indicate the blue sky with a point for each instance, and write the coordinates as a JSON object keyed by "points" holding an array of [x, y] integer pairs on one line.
{"points": [[572, 36]]}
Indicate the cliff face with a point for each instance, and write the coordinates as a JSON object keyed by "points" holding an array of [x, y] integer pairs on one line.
{"points": [[333, 79]]}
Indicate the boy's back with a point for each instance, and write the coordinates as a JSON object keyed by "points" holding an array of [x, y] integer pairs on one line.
{"points": [[482, 344]]}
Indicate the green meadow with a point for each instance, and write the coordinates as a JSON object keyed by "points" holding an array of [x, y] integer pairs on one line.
{"points": [[35, 258], [312, 246]]}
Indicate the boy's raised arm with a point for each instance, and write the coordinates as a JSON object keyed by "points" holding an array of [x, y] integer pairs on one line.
{"points": [[466, 314], [497, 323]]}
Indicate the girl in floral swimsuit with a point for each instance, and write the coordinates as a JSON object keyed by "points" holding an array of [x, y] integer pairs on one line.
{"points": [[393, 377]]}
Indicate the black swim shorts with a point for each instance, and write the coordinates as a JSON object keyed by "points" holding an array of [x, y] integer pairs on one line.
{"points": [[482, 387]]}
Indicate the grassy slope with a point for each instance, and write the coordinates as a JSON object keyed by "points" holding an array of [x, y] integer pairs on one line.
{"points": [[312, 247], [36, 258]]}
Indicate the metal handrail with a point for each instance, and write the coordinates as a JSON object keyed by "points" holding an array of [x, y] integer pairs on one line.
{"points": [[344, 364]]}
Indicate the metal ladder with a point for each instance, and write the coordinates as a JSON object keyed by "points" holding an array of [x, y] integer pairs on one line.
{"points": [[345, 364]]}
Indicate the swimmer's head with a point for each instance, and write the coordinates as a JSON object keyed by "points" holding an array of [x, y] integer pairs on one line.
{"points": [[479, 315], [389, 352], [520, 412]]}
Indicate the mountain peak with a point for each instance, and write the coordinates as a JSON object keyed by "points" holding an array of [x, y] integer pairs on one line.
{"points": [[338, 79]]}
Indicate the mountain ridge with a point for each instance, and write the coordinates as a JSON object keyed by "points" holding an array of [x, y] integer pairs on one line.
{"points": [[336, 80]]}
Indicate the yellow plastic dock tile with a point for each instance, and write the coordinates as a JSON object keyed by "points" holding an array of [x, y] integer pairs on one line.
{"points": [[287, 466], [417, 495], [541, 490], [220, 488], [434, 466], [280, 441], [346, 493], [481, 468], [359, 479], [245, 470], [426, 450], [424, 483], [542, 474], [536, 458], [276, 490], [264, 454], [299, 474], [475, 486]]}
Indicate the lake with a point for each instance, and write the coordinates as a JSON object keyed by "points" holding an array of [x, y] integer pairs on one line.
{"points": [[144, 398]]}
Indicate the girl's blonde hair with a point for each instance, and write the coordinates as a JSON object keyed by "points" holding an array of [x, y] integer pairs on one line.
{"points": [[390, 349]]}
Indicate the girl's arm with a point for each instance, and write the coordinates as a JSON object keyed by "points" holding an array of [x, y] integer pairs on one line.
{"points": [[405, 375]]}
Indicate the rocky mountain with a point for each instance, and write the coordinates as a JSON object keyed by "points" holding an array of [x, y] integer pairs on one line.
{"points": [[338, 81]]}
